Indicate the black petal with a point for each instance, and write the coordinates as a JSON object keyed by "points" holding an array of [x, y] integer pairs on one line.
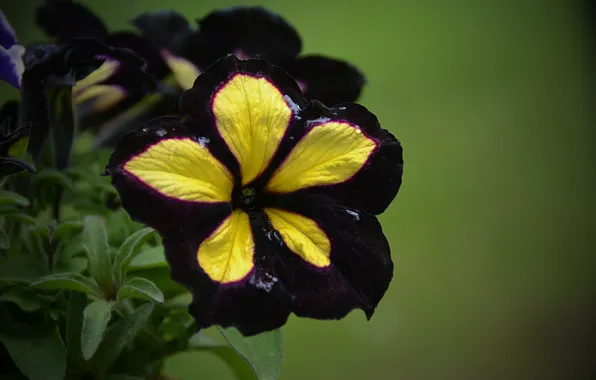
{"points": [[65, 20], [165, 29], [330, 81], [247, 31], [63, 65], [361, 266], [244, 305], [13, 165], [9, 117], [144, 48]]}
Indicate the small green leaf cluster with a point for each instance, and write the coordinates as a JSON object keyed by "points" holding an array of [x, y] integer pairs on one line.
{"points": [[86, 293]]}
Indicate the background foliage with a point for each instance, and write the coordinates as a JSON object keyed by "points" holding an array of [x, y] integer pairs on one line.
{"points": [[492, 232]]}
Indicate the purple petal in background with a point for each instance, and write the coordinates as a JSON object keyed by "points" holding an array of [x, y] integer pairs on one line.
{"points": [[7, 36], [11, 64]]}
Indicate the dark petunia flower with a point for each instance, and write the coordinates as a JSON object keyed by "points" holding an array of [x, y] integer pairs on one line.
{"points": [[266, 201], [255, 32], [11, 54], [170, 46], [51, 71], [114, 86]]}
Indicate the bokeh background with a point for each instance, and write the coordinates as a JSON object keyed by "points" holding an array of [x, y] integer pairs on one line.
{"points": [[493, 231]]}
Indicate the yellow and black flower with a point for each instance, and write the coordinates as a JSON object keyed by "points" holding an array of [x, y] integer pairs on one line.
{"points": [[266, 202], [115, 85]]}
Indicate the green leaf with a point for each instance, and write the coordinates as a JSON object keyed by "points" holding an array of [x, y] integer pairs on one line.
{"points": [[182, 300], [21, 217], [93, 179], [95, 242], [69, 281], [242, 369], [22, 268], [162, 277], [26, 299], [122, 377], [40, 355], [118, 336], [62, 125], [10, 198], [66, 229], [264, 352], [74, 325], [96, 317], [128, 250], [76, 264], [140, 288], [152, 257], [7, 209], [53, 177], [4, 240]]}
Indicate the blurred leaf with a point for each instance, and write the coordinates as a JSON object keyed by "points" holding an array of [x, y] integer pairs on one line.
{"points": [[94, 179], [75, 264], [40, 355], [74, 326], [96, 244], [152, 257], [241, 368], [62, 125], [10, 198], [69, 281], [64, 229], [22, 268], [140, 288], [128, 250], [26, 299], [122, 377], [96, 317], [21, 217], [4, 240], [8, 209], [53, 177], [182, 300], [118, 336], [264, 352], [162, 277]]}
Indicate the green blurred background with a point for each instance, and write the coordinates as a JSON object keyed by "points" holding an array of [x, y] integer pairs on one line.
{"points": [[493, 230]]}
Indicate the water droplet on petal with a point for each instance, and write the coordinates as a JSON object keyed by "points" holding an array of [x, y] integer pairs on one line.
{"points": [[203, 141], [355, 215]]}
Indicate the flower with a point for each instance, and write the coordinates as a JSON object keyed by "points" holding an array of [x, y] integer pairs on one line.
{"points": [[11, 53], [112, 90], [114, 85], [255, 32], [265, 201], [177, 54]]}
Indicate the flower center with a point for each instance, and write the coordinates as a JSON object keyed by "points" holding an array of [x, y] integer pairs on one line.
{"points": [[245, 198]]}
